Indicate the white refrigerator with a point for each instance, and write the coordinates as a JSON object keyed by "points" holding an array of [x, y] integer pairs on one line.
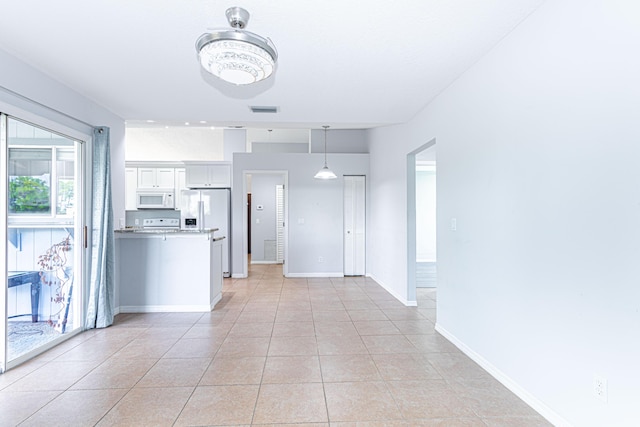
{"points": [[202, 209]]}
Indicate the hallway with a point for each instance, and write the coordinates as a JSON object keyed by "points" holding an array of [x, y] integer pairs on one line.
{"points": [[315, 352]]}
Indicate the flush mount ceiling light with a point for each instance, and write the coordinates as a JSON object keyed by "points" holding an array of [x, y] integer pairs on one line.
{"points": [[325, 172], [234, 55]]}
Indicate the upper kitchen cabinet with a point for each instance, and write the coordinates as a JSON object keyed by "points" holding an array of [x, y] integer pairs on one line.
{"points": [[208, 175], [156, 178]]}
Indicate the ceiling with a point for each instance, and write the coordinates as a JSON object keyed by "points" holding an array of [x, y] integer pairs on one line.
{"points": [[348, 64]]}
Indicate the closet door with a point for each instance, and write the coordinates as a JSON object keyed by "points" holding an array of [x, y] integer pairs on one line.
{"points": [[354, 225]]}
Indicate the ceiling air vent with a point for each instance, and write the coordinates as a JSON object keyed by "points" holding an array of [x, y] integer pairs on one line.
{"points": [[256, 109]]}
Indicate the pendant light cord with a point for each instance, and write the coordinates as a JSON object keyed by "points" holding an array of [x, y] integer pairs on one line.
{"points": [[325, 145]]}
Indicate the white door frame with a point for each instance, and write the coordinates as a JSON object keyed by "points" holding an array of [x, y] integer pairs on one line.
{"points": [[411, 220], [3, 240], [245, 229]]}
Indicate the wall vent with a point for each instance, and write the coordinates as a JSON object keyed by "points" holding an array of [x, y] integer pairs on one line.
{"points": [[257, 109]]}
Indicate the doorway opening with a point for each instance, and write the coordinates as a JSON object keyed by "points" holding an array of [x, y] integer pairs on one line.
{"points": [[421, 220], [265, 218]]}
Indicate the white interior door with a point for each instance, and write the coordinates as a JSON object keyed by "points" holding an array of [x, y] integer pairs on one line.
{"points": [[354, 225]]}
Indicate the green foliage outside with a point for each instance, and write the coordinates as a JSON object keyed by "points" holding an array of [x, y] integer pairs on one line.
{"points": [[65, 196], [28, 194]]}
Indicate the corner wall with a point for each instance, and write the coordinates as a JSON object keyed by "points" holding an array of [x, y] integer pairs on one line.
{"points": [[538, 162]]}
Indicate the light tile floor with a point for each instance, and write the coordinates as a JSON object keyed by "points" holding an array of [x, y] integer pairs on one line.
{"points": [[309, 352]]}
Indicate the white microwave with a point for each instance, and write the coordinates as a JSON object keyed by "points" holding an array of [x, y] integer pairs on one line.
{"points": [[155, 199]]}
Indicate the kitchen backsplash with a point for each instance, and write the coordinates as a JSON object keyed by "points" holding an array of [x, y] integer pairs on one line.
{"points": [[132, 216]]}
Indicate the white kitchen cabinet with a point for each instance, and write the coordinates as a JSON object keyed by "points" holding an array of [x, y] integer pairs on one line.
{"points": [[156, 178], [208, 175], [131, 184], [180, 184]]}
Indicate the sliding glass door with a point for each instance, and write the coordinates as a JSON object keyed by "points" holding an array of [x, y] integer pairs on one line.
{"points": [[43, 238]]}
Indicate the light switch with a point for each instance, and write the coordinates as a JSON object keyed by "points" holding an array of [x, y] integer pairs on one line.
{"points": [[257, 220], [454, 224]]}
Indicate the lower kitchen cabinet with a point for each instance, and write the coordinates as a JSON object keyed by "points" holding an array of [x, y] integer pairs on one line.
{"points": [[168, 272]]}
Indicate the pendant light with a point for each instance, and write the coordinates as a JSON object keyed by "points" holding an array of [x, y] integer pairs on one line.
{"points": [[325, 172], [235, 55]]}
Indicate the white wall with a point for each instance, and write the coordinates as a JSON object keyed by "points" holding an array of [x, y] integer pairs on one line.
{"points": [[279, 147], [538, 161], [339, 141], [295, 136], [174, 144], [263, 228], [278, 140], [314, 208], [235, 141]]}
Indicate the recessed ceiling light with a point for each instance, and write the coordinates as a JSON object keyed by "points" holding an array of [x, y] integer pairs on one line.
{"points": [[151, 121], [203, 121], [186, 123]]}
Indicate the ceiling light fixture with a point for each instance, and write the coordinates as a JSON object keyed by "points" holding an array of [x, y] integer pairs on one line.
{"points": [[325, 172], [237, 56]]}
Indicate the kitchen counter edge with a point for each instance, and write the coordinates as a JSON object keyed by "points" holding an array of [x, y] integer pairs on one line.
{"points": [[138, 232]]}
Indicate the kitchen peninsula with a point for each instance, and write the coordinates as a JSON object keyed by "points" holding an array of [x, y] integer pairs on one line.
{"points": [[168, 270]]}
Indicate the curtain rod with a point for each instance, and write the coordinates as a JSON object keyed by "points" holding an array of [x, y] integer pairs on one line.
{"points": [[25, 98]]}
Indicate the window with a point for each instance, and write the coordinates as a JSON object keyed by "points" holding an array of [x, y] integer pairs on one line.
{"points": [[41, 174], [29, 181]]}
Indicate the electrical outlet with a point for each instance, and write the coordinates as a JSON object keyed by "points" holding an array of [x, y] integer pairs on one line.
{"points": [[320, 259], [600, 388]]}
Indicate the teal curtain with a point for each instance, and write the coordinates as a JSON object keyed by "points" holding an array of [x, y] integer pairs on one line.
{"points": [[100, 305]]}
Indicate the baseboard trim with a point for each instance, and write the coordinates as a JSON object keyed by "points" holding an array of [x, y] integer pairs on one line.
{"points": [[265, 262], [540, 407], [393, 293], [239, 276], [315, 275], [215, 300]]}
